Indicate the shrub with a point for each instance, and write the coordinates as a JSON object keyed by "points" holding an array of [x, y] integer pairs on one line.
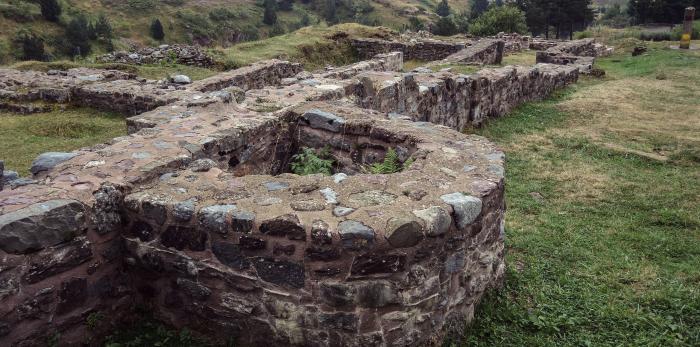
{"points": [[415, 24], [308, 162], [443, 9], [29, 46], [50, 9], [18, 11], [141, 5], [103, 29], [445, 26], [507, 19], [270, 14], [655, 36]]}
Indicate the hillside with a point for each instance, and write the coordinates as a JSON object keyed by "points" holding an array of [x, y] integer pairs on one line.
{"points": [[206, 22]]}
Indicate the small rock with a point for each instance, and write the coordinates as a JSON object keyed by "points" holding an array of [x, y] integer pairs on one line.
{"points": [[202, 165], [341, 211], [213, 218], [466, 208], [330, 195], [403, 231], [275, 186], [307, 205], [180, 79], [324, 120], [339, 177], [437, 220], [49, 160], [355, 235], [320, 232]]}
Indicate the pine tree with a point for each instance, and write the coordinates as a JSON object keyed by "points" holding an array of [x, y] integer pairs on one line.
{"points": [[78, 40], [157, 32], [479, 7], [50, 10], [102, 27], [270, 14], [30, 45], [286, 5], [443, 9], [331, 12]]}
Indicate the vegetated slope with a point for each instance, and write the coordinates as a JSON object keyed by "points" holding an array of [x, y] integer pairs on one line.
{"points": [[207, 22]]}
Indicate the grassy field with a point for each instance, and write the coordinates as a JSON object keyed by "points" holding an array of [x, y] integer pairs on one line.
{"points": [[25, 137], [603, 222]]}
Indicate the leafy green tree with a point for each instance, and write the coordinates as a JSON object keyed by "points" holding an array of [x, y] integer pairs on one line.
{"points": [[50, 10], [157, 32], [507, 19], [270, 14], [443, 9]]}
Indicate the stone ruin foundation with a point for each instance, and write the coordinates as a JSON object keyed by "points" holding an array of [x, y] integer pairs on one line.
{"points": [[196, 215]]}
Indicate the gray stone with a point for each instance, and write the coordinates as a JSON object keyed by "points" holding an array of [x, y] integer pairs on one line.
{"points": [[223, 95], [280, 272], [324, 120], [455, 263], [341, 211], [376, 294], [437, 220], [20, 182], [202, 165], [466, 208], [59, 259], [49, 160], [339, 177], [40, 225], [355, 235], [9, 176], [183, 211], [275, 186], [181, 79], [213, 218], [330, 195], [403, 231], [371, 198], [307, 205], [285, 225], [337, 294], [194, 289], [108, 201], [242, 221]]}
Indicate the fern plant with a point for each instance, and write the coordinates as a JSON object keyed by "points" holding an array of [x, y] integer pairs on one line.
{"points": [[391, 164], [308, 162]]}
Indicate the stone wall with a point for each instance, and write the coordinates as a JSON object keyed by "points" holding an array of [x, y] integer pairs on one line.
{"points": [[426, 49], [482, 52], [195, 214], [180, 54], [579, 53]]}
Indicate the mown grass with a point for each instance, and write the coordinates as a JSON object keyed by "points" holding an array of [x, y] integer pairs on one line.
{"points": [[603, 241], [22, 138]]}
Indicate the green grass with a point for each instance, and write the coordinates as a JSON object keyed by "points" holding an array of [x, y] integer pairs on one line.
{"points": [[602, 244], [315, 46], [22, 138]]}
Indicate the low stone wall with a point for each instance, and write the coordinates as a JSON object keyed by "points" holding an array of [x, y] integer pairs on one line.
{"points": [[482, 52], [254, 76], [579, 53], [180, 54], [426, 49], [513, 42]]}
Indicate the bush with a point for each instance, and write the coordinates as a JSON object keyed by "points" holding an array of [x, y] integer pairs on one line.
{"points": [[50, 9], [415, 24], [655, 36], [18, 11], [308, 162], [29, 46], [77, 37], [508, 19], [443, 9], [445, 26], [141, 5]]}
